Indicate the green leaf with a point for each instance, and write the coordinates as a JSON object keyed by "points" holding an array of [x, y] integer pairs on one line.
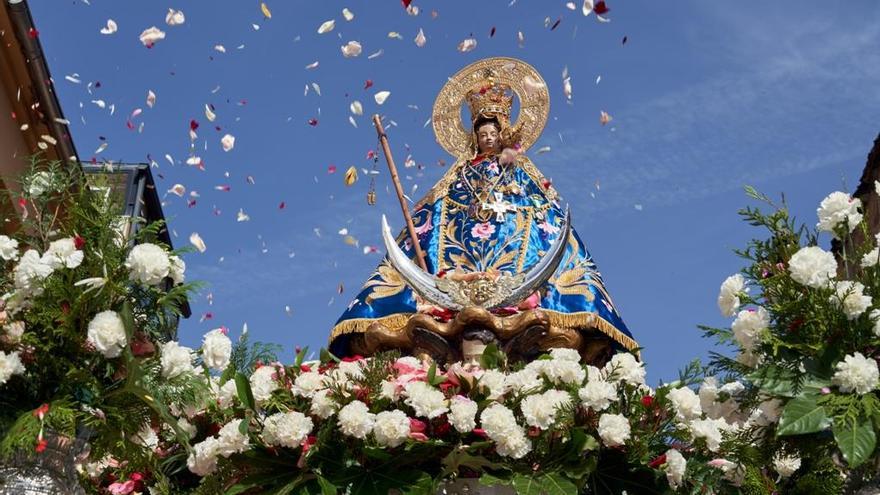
{"points": [[856, 441], [460, 457], [127, 316], [432, 376], [301, 356], [326, 357], [492, 480], [327, 488], [547, 484], [243, 387], [526, 485], [491, 357], [802, 415]]}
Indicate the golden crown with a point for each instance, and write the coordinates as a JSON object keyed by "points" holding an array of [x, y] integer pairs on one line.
{"points": [[490, 100]]}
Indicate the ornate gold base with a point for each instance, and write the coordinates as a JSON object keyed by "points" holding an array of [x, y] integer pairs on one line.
{"points": [[522, 336]]}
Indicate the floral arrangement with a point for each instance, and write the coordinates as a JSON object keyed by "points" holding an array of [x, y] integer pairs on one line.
{"points": [[87, 353]]}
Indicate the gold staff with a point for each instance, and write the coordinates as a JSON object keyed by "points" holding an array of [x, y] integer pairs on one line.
{"points": [[420, 256]]}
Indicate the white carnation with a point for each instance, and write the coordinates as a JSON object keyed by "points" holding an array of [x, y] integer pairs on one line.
{"points": [[625, 367], [857, 373], [148, 263], [494, 381], [10, 364], [523, 381], [686, 403], [216, 350], [850, 297], [356, 420], [728, 296], [177, 270], [710, 429], [540, 410], [322, 405], [391, 428], [598, 394], [614, 429], [226, 394], [230, 440], [500, 426], [675, 467], [812, 266], [786, 465], [871, 258], [389, 390], [748, 325], [288, 429], [187, 427], [427, 401], [838, 208], [875, 317], [8, 248], [30, 271], [263, 383], [462, 414], [563, 372], [564, 354], [176, 360], [106, 334], [13, 331], [63, 253], [307, 383], [202, 461], [40, 182]]}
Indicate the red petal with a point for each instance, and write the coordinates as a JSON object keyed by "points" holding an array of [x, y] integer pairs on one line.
{"points": [[33, 33], [281, 206], [313, 122], [368, 84], [406, 3], [600, 7], [193, 125]]}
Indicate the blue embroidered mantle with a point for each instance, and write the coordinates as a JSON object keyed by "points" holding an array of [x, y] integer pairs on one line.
{"points": [[483, 216]]}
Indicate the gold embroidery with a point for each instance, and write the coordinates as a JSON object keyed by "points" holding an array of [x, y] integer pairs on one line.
{"points": [[388, 284], [532, 171], [524, 247]]}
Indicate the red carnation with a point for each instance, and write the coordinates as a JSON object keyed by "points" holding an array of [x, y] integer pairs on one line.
{"points": [[647, 401], [657, 462]]}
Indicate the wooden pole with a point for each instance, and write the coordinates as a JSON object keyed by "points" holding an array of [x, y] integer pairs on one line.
{"points": [[383, 139]]}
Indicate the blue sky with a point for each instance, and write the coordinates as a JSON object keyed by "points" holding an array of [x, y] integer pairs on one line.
{"points": [[705, 97]]}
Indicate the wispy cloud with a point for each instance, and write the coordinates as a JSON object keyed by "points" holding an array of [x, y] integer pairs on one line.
{"points": [[786, 103]]}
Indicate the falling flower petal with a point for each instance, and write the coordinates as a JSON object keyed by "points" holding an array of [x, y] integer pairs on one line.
{"points": [[351, 176], [111, 27], [151, 98], [467, 45], [265, 10], [356, 108], [347, 14], [376, 54], [543, 149], [220, 48], [327, 26], [587, 8], [151, 35], [381, 96], [351, 49], [242, 216], [420, 39], [520, 39], [313, 65], [174, 17], [395, 35], [178, 189], [196, 240], [209, 113], [604, 118], [228, 142]]}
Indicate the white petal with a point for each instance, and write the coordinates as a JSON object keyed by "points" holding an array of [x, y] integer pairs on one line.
{"points": [[347, 14], [228, 142], [327, 26], [196, 240], [151, 98], [351, 49], [381, 96], [174, 17], [209, 114], [151, 35], [467, 45], [420, 39], [111, 27], [356, 108]]}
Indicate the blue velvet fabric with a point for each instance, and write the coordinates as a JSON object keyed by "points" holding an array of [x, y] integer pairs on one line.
{"points": [[457, 233]]}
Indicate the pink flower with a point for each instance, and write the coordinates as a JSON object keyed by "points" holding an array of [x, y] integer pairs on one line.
{"points": [[417, 430], [492, 167], [122, 488], [425, 227], [548, 228], [483, 230]]}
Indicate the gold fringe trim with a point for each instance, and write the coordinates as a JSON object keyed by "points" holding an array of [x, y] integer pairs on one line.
{"points": [[558, 319]]}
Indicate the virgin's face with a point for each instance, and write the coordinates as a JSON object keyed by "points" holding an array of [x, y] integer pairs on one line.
{"points": [[488, 138]]}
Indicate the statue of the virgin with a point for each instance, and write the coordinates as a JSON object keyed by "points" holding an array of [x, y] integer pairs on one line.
{"points": [[501, 261]]}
